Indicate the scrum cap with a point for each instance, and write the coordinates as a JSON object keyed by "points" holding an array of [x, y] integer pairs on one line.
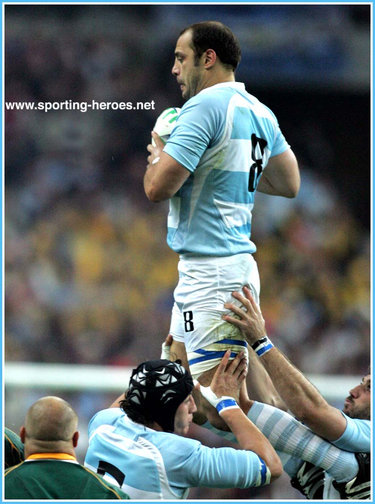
{"points": [[157, 388]]}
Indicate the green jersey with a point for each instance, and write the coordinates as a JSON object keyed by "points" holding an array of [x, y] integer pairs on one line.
{"points": [[59, 476], [13, 448]]}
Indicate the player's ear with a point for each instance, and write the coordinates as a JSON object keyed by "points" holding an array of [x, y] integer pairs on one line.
{"points": [[23, 434], [75, 439], [209, 58]]}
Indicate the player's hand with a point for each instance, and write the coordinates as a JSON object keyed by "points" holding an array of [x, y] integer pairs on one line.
{"points": [[166, 347], [250, 321], [154, 150], [229, 376]]}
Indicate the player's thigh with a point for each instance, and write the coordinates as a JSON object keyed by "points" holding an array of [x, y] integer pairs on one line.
{"points": [[203, 289], [178, 352], [208, 283], [204, 407]]}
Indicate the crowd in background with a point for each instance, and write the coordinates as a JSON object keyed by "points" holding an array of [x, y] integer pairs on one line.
{"points": [[89, 277]]}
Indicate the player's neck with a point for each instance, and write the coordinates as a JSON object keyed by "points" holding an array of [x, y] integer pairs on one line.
{"points": [[154, 426], [38, 446], [218, 77]]}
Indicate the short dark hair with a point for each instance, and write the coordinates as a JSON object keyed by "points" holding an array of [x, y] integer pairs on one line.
{"points": [[215, 35]]}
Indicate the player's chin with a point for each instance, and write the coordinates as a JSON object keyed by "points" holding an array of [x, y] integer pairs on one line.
{"points": [[185, 93], [348, 410]]}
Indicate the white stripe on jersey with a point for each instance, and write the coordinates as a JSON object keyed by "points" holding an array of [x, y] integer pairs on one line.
{"points": [[234, 214], [140, 448]]}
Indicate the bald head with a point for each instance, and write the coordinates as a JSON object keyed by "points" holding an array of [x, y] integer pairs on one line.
{"points": [[51, 419]]}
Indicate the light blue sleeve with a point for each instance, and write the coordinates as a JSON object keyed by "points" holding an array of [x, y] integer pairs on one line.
{"points": [[356, 436], [198, 127], [290, 464], [197, 465], [280, 144]]}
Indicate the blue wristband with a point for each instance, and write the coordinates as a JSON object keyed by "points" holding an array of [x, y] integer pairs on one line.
{"points": [[226, 404], [262, 346]]}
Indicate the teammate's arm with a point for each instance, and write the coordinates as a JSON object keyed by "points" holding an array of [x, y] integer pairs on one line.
{"points": [[281, 176], [258, 382], [225, 385], [301, 397], [259, 386], [164, 175], [116, 403]]}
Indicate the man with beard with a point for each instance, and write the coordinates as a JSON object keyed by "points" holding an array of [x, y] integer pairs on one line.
{"points": [[349, 429], [312, 463]]}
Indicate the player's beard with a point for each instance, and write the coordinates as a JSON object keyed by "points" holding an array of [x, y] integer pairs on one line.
{"points": [[353, 411], [192, 86]]}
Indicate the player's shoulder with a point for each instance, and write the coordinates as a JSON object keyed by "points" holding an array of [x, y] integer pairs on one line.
{"points": [[258, 107], [208, 109], [106, 416], [173, 444], [14, 449], [15, 470], [363, 421], [360, 423], [356, 436], [212, 98]]}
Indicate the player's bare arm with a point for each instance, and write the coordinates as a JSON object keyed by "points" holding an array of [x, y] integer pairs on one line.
{"points": [[259, 383], [301, 397], [281, 176], [259, 387], [116, 403], [223, 392], [164, 175]]}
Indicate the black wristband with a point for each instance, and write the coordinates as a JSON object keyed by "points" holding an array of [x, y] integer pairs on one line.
{"points": [[262, 346]]}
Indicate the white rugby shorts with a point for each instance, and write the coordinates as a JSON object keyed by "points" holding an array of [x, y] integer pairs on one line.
{"points": [[205, 284]]}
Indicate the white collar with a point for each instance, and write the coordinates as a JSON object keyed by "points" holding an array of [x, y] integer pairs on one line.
{"points": [[232, 84]]}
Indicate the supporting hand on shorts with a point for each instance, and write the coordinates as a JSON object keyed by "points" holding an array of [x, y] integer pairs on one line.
{"points": [[251, 321], [229, 376], [166, 347]]}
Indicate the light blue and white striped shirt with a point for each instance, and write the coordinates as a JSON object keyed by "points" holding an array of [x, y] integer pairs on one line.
{"points": [[356, 436], [224, 136]]}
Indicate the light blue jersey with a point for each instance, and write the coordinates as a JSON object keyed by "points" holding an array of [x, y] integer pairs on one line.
{"points": [[356, 437], [294, 442], [224, 136], [160, 465]]}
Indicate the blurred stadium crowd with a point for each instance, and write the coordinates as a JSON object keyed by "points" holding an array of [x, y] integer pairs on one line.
{"points": [[89, 277], [88, 273]]}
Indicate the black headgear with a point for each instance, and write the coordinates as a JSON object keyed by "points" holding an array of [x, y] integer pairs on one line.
{"points": [[157, 388]]}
